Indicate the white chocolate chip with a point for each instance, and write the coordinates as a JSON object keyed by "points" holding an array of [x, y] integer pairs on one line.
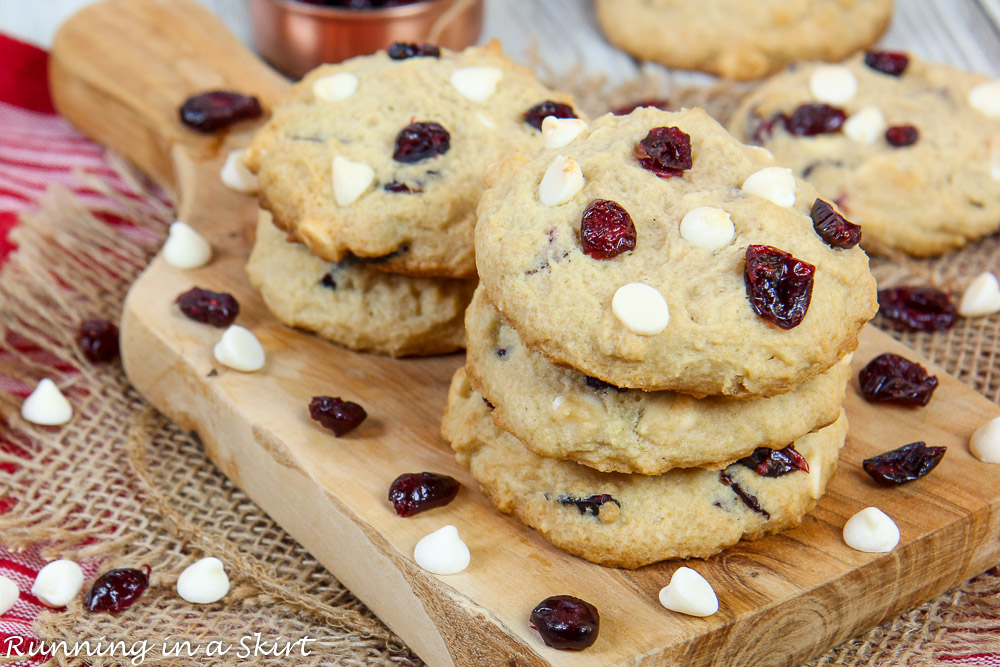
{"points": [[776, 184], [476, 83], [557, 132], [58, 583], [985, 98], [981, 297], [689, 593], [9, 595], [985, 442], [46, 406], [185, 248], [562, 180], [833, 84], [240, 350], [486, 120], [235, 174], [442, 552], [203, 582], [335, 87], [995, 157], [815, 479], [872, 531], [866, 126], [641, 308], [708, 227], [350, 180]]}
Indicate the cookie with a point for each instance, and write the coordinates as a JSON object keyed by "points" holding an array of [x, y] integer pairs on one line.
{"points": [[561, 413], [354, 305], [908, 149], [657, 252], [742, 40], [633, 520], [384, 158]]}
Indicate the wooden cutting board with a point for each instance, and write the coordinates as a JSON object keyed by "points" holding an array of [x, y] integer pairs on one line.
{"points": [[119, 71]]}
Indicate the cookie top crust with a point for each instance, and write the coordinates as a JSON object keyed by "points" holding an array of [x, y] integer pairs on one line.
{"points": [[713, 282], [742, 40], [561, 413], [384, 158], [633, 520], [909, 150]]}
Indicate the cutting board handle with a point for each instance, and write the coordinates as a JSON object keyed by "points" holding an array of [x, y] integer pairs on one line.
{"points": [[120, 69]]}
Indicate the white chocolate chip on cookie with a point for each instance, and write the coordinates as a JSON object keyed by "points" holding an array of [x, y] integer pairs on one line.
{"points": [[689, 593], [335, 87], [833, 84], [708, 227], [558, 132], [350, 180], [476, 83], [562, 180], [641, 308], [985, 98], [865, 126], [872, 531], [776, 184]]}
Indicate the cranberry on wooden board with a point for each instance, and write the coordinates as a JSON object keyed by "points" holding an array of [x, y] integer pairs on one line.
{"points": [[901, 136], [216, 308], [890, 378], [887, 62], [665, 151], [420, 141], [835, 230], [768, 462], [917, 308], [908, 463], [606, 230], [413, 493], [536, 114], [778, 286], [336, 414], [116, 590], [217, 109], [812, 119], [403, 50], [98, 340], [566, 622]]}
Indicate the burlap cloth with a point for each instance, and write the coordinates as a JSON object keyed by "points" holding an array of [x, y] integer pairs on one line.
{"points": [[123, 484]]}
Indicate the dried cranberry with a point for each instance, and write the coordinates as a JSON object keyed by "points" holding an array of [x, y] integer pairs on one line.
{"points": [[590, 504], [748, 499], [419, 141], [901, 136], [566, 622], [216, 308], [328, 281], [778, 285], [336, 414], [768, 462], [629, 108], [98, 340], [399, 187], [488, 404], [606, 230], [403, 50], [414, 493], [116, 590], [917, 308], [600, 385], [887, 62], [217, 109], [666, 151], [812, 119], [536, 114], [835, 230], [905, 464], [890, 378], [765, 127]]}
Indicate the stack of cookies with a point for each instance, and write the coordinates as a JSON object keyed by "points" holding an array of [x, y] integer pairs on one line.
{"points": [[660, 343], [369, 176]]}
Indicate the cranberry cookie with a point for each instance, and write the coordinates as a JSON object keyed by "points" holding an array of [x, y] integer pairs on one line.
{"points": [[352, 304], [739, 39], [907, 149], [561, 413], [633, 520], [656, 252], [383, 156]]}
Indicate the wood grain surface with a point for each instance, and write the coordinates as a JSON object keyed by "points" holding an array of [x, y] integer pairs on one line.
{"points": [[119, 71]]}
